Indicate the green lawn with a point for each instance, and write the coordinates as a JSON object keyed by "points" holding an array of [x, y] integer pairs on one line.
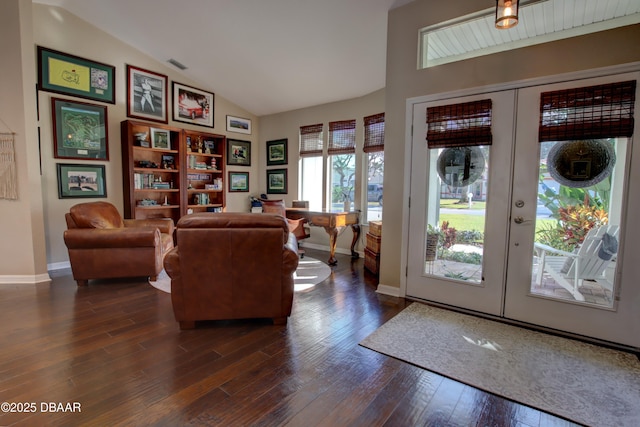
{"points": [[476, 222]]}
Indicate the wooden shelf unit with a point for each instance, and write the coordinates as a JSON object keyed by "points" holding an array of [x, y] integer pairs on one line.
{"points": [[159, 183], [204, 171]]}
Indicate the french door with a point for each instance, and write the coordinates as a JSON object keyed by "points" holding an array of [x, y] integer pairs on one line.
{"points": [[502, 213]]}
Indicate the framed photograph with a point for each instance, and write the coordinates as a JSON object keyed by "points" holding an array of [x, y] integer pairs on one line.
{"points": [[146, 95], [191, 105], [80, 130], [60, 72], [238, 152], [277, 152], [238, 182], [277, 181], [161, 139], [238, 125], [81, 181]]}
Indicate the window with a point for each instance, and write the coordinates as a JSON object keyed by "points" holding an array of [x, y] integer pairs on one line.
{"points": [[311, 145], [342, 164], [374, 152]]}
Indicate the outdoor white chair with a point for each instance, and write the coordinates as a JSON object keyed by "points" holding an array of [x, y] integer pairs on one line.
{"points": [[589, 262]]}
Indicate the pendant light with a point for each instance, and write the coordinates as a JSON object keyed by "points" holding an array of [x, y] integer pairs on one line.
{"points": [[506, 14]]}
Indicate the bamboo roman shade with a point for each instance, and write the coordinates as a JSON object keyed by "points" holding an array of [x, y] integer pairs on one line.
{"points": [[374, 133], [342, 137], [459, 125], [311, 140], [594, 112]]}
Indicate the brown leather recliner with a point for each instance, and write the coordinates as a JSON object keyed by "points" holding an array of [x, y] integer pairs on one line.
{"points": [[103, 245], [231, 266]]}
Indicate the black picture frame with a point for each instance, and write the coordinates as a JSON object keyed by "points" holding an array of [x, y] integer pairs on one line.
{"points": [[147, 95], [60, 72], [238, 152], [80, 130], [277, 181], [277, 152], [80, 181], [238, 182], [192, 105]]}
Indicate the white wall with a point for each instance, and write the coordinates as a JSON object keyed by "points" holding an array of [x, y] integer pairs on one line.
{"points": [[57, 29]]}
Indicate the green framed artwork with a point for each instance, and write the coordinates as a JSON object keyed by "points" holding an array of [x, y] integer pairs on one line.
{"points": [[60, 72], [77, 181], [80, 130], [276, 181], [277, 152], [238, 182]]}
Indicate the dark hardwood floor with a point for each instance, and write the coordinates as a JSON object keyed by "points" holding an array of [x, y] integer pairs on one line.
{"points": [[115, 350]]}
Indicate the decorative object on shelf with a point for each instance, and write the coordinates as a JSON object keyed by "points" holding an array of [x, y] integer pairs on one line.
{"points": [[59, 72], [277, 181], [80, 130], [238, 152], [146, 95], [238, 125], [238, 182], [141, 139], [191, 105], [209, 146], [277, 152], [460, 166], [580, 164], [160, 138], [168, 161], [81, 181]]}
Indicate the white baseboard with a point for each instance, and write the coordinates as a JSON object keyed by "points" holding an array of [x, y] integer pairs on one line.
{"points": [[58, 265], [392, 291], [25, 279]]}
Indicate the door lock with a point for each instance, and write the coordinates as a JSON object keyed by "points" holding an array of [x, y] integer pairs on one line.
{"points": [[519, 204]]}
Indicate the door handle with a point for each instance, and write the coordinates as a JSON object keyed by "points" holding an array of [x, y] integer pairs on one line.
{"points": [[518, 220]]}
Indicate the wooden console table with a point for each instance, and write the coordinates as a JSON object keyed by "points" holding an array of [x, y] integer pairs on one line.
{"points": [[333, 223]]}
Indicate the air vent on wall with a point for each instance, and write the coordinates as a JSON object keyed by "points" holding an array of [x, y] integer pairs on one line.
{"points": [[176, 63]]}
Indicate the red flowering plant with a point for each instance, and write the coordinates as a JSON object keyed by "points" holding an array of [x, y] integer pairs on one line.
{"points": [[575, 222]]}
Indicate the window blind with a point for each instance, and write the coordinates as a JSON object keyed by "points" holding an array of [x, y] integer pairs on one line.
{"points": [[342, 137], [459, 125], [594, 112], [311, 140], [374, 133]]}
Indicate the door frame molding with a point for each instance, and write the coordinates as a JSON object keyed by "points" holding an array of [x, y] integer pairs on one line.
{"points": [[514, 85]]}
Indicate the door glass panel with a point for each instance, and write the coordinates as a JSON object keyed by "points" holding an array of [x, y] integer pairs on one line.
{"points": [[456, 206], [577, 226]]}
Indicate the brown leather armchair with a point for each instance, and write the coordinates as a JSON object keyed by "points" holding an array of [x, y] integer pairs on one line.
{"points": [[296, 226], [231, 266], [103, 245]]}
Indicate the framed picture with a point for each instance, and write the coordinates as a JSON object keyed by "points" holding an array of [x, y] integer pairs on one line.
{"points": [[146, 95], [191, 105], [239, 125], [277, 181], [81, 181], [60, 72], [80, 130], [238, 152], [161, 139], [277, 152], [238, 182]]}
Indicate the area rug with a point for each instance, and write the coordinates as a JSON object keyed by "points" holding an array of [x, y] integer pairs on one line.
{"points": [[584, 383], [309, 273]]}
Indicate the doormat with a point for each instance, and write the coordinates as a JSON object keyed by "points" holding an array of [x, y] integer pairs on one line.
{"points": [[585, 383]]}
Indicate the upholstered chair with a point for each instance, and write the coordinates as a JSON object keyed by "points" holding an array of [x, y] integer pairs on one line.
{"points": [[231, 266], [103, 245], [296, 226]]}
